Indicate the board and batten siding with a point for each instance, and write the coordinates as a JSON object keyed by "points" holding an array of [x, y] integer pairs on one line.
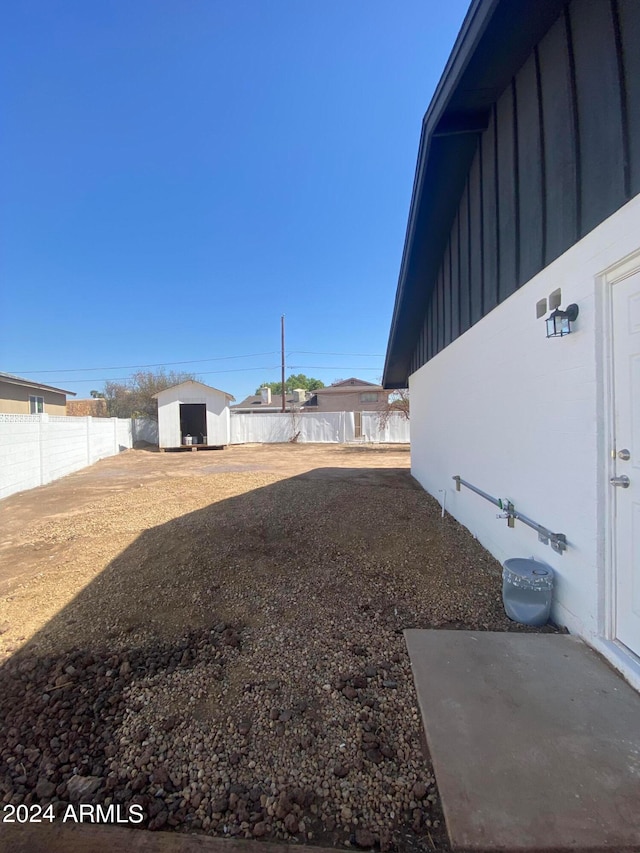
{"points": [[560, 154]]}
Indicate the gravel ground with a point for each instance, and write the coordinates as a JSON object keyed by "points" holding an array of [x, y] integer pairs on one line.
{"points": [[220, 643]]}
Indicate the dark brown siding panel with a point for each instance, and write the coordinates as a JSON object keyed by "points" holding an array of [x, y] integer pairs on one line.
{"points": [[629, 18], [559, 143], [475, 238], [455, 280], [489, 220], [507, 208], [446, 273], [463, 219], [599, 114], [530, 170]]}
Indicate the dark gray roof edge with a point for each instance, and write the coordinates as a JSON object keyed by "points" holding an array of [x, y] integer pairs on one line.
{"points": [[472, 27], [476, 27], [471, 31]]}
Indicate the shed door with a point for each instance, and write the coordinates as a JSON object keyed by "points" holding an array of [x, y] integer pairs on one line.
{"points": [[626, 362], [193, 423]]}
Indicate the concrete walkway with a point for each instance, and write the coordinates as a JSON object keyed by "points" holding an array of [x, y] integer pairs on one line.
{"points": [[535, 741]]}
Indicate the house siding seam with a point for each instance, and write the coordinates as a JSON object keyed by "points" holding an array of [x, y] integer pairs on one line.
{"points": [[560, 154]]}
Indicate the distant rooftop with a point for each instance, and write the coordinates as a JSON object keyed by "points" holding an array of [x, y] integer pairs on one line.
{"points": [[255, 401], [345, 385]]}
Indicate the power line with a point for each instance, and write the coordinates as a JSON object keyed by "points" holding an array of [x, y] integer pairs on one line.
{"points": [[362, 354], [327, 367], [134, 366], [201, 373], [95, 379], [197, 361]]}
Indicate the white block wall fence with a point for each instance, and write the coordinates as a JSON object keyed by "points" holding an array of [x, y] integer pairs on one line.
{"points": [[37, 449]]}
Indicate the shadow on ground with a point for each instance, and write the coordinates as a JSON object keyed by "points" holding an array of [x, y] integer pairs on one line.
{"points": [[241, 670]]}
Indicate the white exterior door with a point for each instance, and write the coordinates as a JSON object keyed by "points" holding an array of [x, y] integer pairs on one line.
{"points": [[626, 367]]}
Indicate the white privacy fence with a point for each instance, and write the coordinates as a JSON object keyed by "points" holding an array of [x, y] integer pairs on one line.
{"points": [[36, 449], [145, 429], [395, 431], [335, 427], [275, 428]]}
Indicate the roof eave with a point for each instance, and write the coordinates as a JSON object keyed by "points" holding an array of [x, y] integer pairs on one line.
{"points": [[489, 49], [28, 383]]}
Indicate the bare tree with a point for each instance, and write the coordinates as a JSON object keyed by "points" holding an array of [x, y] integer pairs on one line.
{"points": [[135, 396], [397, 403], [295, 414]]}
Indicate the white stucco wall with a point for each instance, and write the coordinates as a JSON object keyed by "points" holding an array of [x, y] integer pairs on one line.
{"points": [[218, 429], [523, 417]]}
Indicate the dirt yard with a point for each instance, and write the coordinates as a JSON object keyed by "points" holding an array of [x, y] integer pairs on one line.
{"points": [[216, 638]]}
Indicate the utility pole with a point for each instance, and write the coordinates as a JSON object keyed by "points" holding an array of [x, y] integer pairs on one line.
{"points": [[284, 393]]}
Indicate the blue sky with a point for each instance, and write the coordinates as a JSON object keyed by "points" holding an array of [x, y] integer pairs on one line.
{"points": [[176, 175]]}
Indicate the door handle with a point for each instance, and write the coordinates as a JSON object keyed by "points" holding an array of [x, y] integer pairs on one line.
{"points": [[623, 481]]}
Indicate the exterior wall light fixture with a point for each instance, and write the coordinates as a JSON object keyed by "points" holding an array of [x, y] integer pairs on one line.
{"points": [[559, 321]]}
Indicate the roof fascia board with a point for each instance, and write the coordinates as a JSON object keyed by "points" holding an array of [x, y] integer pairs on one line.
{"points": [[488, 20], [16, 380], [471, 31], [472, 28]]}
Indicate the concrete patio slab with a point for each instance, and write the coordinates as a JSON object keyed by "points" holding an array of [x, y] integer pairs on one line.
{"points": [[535, 741]]}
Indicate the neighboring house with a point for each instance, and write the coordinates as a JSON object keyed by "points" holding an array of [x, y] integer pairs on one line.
{"points": [[95, 407], [526, 197], [268, 402], [20, 396], [349, 395], [191, 414]]}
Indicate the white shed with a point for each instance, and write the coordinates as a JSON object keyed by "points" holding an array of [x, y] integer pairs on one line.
{"points": [[193, 414]]}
